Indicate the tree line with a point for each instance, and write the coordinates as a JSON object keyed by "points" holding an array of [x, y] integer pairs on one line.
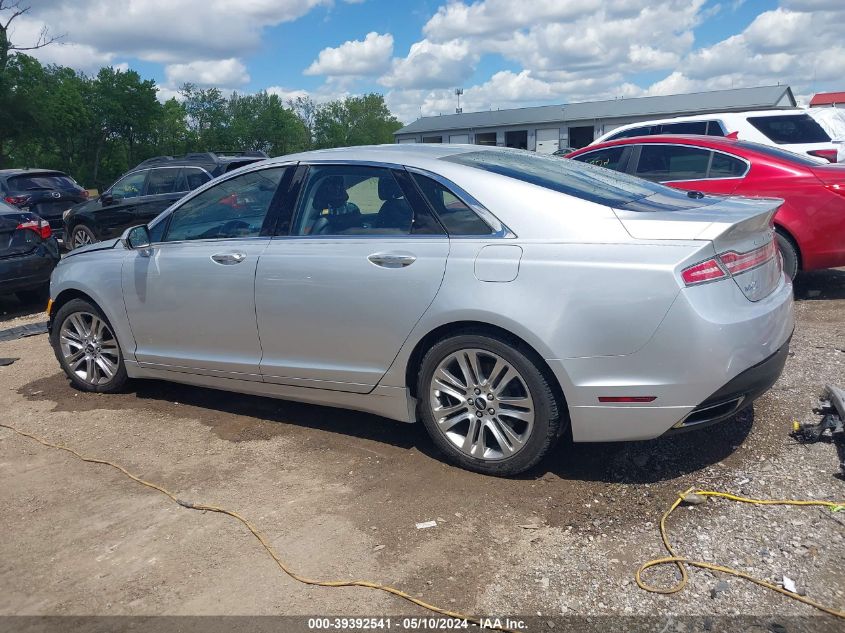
{"points": [[97, 127]]}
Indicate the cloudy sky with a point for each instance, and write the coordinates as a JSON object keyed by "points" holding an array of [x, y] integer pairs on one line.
{"points": [[504, 53]]}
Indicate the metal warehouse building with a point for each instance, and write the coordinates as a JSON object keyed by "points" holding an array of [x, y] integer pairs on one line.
{"points": [[547, 128]]}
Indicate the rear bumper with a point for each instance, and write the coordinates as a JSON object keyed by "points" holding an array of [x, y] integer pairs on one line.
{"points": [[736, 394], [712, 344]]}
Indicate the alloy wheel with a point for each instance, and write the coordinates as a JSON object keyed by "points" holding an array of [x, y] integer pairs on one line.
{"points": [[81, 237], [482, 404], [89, 348]]}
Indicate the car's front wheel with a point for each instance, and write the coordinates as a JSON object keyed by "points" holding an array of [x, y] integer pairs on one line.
{"points": [[80, 236], [87, 348], [487, 405]]}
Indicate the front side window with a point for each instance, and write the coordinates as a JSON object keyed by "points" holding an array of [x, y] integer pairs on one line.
{"points": [[609, 158], [456, 216], [233, 208], [130, 186], [634, 131], [352, 200], [162, 181], [790, 128], [661, 163]]}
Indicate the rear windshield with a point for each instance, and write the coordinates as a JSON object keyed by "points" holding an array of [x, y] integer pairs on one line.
{"points": [[790, 128], [27, 182], [581, 180], [780, 154]]}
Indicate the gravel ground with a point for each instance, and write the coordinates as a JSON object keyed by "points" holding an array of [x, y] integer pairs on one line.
{"points": [[338, 494]]}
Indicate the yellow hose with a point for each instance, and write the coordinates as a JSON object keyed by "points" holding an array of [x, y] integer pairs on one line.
{"points": [[681, 562], [257, 534]]}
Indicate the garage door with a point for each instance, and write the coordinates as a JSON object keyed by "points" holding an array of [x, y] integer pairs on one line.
{"points": [[459, 138], [548, 140]]}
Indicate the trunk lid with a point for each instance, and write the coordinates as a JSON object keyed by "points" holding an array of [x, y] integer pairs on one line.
{"points": [[14, 242], [740, 229]]}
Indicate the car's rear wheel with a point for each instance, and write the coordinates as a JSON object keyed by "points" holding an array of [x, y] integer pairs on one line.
{"points": [[486, 405], [789, 253], [80, 236], [87, 348]]}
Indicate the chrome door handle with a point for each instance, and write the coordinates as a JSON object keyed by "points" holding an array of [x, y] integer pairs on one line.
{"points": [[392, 260], [228, 258]]}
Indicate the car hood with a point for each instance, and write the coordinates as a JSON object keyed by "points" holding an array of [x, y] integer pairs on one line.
{"points": [[98, 246]]}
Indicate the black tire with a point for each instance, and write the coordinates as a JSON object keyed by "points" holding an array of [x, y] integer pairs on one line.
{"points": [[547, 423], [83, 307], [791, 258], [37, 295], [79, 234]]}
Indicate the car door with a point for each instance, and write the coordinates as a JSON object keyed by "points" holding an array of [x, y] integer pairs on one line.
{"points": [[190, 297], [342, 285], [117, 205], [689, 167]]}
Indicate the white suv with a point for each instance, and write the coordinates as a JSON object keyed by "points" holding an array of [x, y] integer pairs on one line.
{"points": [[794, 130]]}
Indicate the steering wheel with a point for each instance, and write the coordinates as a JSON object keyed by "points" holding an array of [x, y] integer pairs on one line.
{"points": [[232, 227]]}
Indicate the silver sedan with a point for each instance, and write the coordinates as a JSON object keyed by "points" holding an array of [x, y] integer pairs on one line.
{"points": [[499, 297]]}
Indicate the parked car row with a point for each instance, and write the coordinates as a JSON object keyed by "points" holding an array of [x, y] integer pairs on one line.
{"points": [[810, 224], [60, 208]]}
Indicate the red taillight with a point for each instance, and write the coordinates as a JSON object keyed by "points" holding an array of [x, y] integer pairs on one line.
{"points": [[837, 188], [84, 193], [728, 263], [708, 270], [42, 227], [740, 262], [17, 200], [827, 154]]}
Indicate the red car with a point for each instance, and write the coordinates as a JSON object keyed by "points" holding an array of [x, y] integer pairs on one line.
{"points": [[811, 223]]}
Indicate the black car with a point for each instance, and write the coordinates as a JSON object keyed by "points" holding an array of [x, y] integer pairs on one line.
{"points": [[44, 192], [28, 254], [145, 191]]}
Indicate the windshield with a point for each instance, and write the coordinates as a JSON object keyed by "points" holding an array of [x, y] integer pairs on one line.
{"points": [[790, 128], [581, 180], [27, 182]]}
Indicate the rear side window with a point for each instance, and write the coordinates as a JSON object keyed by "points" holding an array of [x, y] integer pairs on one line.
{"points": [[672, 162], [571, 177], [456, 216], [714, 128], [780, 154], [684, 127], [162, 181], [193, 178], [790, 128], [724, 166], [609, 158], [32, 182]]}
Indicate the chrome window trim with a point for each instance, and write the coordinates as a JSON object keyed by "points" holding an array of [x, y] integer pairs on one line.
{"points": [[707, 149]]}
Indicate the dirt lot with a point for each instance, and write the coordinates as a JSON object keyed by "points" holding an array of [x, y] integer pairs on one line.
{"points": [[339, 493]]}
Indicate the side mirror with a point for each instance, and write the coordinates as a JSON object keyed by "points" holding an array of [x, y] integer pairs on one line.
{"points": [[106, 199], [137, 238]]}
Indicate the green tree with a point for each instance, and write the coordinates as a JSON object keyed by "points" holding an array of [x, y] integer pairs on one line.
{"points": [[364, 120], [262, 122]]}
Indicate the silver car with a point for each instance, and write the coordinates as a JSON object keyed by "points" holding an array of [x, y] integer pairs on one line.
{"points": [[499, 297]]}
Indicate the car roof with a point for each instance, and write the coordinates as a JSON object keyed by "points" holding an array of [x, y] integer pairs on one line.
{"points": [[30, 170], [411, 154], [689, 139]]}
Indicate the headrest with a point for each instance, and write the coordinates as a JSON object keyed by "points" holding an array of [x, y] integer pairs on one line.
{"points": [[330, 193], [388, 189]]}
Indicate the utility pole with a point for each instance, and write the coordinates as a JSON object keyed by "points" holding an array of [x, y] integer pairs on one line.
{"points": [[458, 93]]}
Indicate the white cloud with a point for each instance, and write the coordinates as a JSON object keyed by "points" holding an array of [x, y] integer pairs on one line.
{"points": [[370, 56], [432, 65], [227, 73]]}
